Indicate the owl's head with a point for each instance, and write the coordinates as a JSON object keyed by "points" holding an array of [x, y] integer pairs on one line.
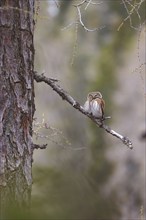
{"points": [[97, 95], [94, 95]]}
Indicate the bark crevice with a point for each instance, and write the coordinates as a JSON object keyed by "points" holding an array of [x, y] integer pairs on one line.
{"points": [[17, 100]]}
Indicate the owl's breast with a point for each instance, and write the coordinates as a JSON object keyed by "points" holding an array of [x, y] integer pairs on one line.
{"points": [[96, 109]]}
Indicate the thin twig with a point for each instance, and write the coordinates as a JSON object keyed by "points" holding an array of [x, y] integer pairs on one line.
{"points": [[37, 146], [134, 8], [65, 96], [69, 25], [94, 3], [82, 24], [88, 3], [79, 15]]}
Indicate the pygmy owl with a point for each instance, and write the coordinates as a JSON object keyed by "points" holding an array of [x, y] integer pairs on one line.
{"points": [[95, 104]]}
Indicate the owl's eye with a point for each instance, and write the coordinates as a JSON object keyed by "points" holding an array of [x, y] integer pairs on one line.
{"points": [[98, 95], [90, 96]]}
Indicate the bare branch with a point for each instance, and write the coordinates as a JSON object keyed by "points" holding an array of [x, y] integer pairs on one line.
{"points": [[69, 25], [81, 3], [61, 92], [37, 146], [79, 15], [81, 22], [135, 8], [89, 2], [92, 3]]}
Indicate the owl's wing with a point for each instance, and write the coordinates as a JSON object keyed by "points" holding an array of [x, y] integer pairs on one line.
{"points": [[87, 107], [102, 106]]}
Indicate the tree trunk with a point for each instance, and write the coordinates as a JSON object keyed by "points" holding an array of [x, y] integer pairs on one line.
{"points": [[16, 101]]}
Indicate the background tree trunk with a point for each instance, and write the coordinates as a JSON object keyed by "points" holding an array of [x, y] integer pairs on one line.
{"points": [[16, 101]]}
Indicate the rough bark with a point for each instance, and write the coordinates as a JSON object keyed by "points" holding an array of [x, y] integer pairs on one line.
{"points": [[16, 100]]}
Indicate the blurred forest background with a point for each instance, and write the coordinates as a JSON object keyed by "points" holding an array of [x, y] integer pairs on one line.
{"points": [[86, 173]]}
